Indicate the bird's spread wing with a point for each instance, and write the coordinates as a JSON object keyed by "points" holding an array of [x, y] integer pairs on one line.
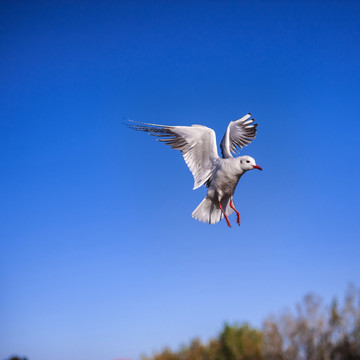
{"points": [[238, 134], [197, 144]]}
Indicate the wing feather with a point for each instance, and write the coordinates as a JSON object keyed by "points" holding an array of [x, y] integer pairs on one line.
{"points": [[238, 134], [197, 144]]}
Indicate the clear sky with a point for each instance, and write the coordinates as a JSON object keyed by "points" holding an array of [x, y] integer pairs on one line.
{"points": [[99, 255]]}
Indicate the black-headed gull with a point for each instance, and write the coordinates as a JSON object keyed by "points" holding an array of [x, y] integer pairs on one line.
{"points": [[197, 144]]}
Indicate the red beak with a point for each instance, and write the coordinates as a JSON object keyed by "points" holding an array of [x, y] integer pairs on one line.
{"points": [[257, 167]]}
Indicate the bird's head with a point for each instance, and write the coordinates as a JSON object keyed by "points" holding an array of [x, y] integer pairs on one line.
{"points": [[248, 163]]}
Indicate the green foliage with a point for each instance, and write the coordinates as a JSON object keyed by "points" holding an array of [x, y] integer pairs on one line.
{"points": [[234, 343], [240, 343], [311, 332]]}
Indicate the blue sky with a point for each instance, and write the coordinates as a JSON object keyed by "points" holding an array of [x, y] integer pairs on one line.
{"points": [[99, 255]]}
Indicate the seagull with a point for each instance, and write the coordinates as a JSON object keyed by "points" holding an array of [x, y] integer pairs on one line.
{"points": [[197, 144]]}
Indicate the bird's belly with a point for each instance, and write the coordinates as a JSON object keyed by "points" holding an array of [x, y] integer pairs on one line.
{"points": [[223, 185], [228, 187]]}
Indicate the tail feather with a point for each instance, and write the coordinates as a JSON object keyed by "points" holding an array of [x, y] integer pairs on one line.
{"points": [[208, 211]]}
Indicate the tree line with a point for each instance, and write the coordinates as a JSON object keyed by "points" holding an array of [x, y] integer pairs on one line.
{"points": [[312, 331]]}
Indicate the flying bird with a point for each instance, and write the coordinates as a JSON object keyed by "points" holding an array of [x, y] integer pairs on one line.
{"points": [[197, 144]]}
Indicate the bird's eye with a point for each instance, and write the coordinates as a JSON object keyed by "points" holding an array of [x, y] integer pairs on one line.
{"points": [[247, 161]]}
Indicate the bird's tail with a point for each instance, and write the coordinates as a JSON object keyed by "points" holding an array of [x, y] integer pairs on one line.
{"points": [[208, 211]]}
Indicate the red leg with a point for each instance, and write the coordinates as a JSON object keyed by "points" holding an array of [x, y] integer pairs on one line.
{"points": [[226, 218], [237, 213]]}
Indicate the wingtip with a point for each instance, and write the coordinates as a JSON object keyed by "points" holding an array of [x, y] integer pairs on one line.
{"points": [[129, 123]]}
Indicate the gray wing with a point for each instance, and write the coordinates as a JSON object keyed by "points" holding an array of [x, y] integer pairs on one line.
{"points": [[238, 134], [197, 144]]}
